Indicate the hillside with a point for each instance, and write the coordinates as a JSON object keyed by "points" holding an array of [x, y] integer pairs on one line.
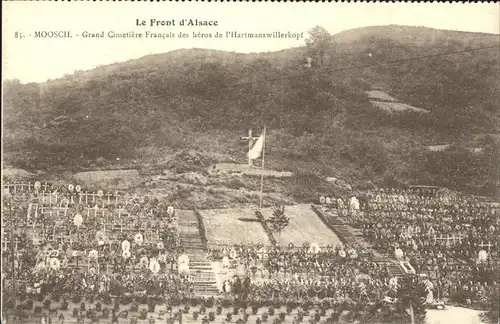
{"points": [[320, 119]]}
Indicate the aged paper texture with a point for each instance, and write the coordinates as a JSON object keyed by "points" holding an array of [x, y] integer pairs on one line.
{"points": [[278, 163]]}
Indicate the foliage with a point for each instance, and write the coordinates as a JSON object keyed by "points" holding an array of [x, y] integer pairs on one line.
{"points": [[409, 296], [319, 42], [278, 219], [321, 122], [493, 307]]}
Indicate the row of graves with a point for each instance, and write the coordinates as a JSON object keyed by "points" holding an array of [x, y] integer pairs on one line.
{"points": [[302, 273], [116, 258], [413, 197], [330, 279], [289, 260], [449, 238], [61, 240]]}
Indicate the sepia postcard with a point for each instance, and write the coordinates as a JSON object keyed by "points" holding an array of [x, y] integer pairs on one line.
{"points": [[250, 163]]}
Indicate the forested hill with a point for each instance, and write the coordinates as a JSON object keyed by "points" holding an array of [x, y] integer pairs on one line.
{"points": [[320, 118]]}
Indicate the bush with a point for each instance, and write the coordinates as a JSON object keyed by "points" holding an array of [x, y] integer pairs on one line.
{"points": [[209, 303], [46, 304], [134, 307], [226, 303], [195, 302], [29, 305], [151, 306]]}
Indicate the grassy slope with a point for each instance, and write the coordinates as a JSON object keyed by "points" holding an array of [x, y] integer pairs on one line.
{"points": [[144, 111]]}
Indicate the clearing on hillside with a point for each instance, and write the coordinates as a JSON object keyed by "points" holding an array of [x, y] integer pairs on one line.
{"points": [[380, 95], [304, 226], [110, 179], [396, 107], [247, 170], [233, 226]]}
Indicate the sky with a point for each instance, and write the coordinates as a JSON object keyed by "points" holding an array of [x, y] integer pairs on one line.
{"points": [[33, 59]]}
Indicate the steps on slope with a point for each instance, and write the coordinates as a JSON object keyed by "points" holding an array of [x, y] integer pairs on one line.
{"points": [[395, 270], [200, 268]]}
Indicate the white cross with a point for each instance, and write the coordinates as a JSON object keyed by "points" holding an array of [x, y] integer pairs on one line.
{"points": [[442, 238], [250, 140], [489, 245]]}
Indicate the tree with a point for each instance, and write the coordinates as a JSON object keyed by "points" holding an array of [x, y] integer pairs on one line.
{"points": [[279, 220], [319, 42], [491, 315], [409, 299]]}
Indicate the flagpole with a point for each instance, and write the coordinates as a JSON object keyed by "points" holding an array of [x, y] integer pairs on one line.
{"points": [[262, 170]]}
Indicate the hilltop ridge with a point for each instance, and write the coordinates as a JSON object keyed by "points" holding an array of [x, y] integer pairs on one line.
{"points": [[321, 120]]}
